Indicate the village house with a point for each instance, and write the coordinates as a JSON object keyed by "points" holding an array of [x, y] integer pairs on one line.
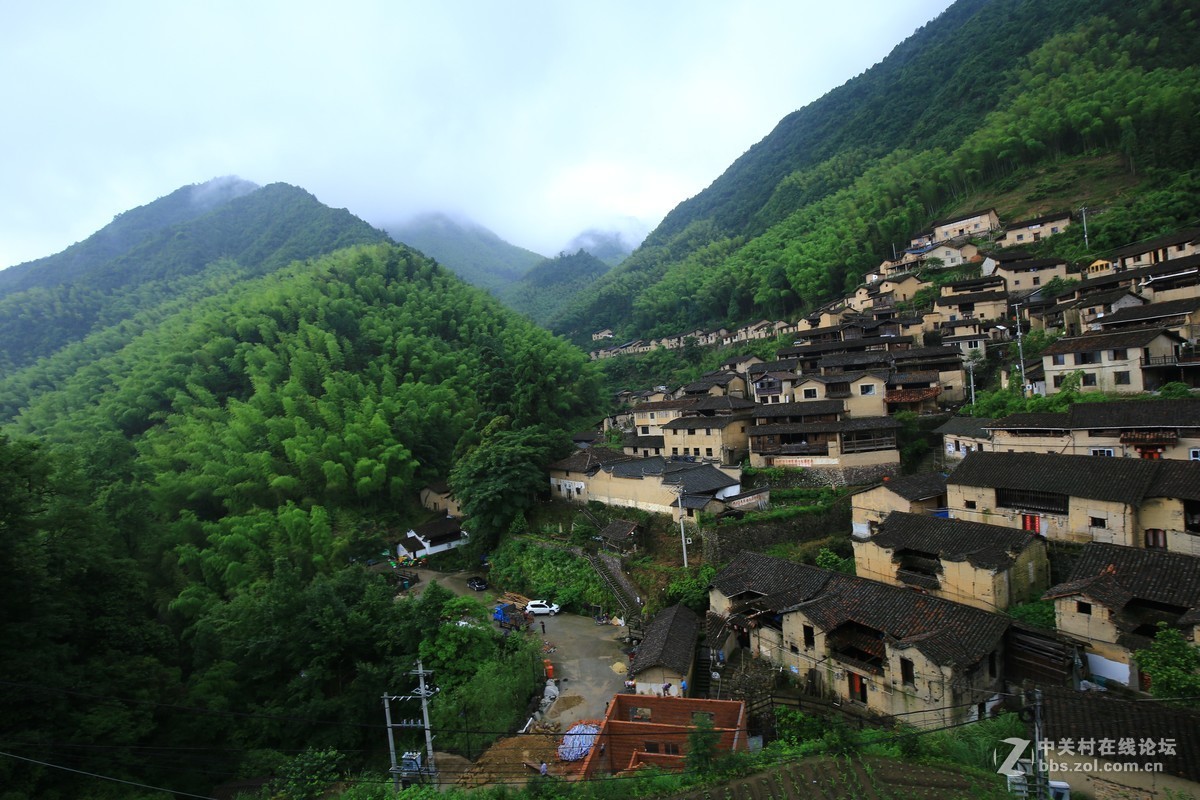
{"points": [[645, 731], [972, 223], [619, 536], [432, 538], [720, 438], [1132, 502], [1181, 317], [1157, 250], [916, 391], [658, 485], [818, 435], [722, 383], [1148, 429], [962, 435], [1115, 599], [664, 659], [774, 381], [991, 304], [1031, 273], [1074, 316], [924, 493], [862, 393], [1028, 231], [606, 333], [985, 566], [878, 649], [438, 497], [649, 418], [1133, 361]]}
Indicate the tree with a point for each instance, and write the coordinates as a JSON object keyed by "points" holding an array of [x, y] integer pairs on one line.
{"points": [[1173, 665], [702, 744]]}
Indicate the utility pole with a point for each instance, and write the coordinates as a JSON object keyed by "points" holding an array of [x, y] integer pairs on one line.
{"points": [[1085, 236], [422, 693], [1040, 777], [1020, 349], [682, 535]]}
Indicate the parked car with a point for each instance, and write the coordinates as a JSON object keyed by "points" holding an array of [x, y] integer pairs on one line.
{"points": [[540, 607], [477, 583]]}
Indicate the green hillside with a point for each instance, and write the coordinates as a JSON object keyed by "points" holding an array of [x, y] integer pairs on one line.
{"points": [[543, 291], [179, 518], [474, 253], [979, 101], [161, 253]]}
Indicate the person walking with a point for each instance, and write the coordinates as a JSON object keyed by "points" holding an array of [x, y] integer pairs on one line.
{"points": [[543, 627]]}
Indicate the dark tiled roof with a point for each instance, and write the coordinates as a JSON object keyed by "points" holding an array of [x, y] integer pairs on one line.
{"points": [[719, 421], [666, 405], [619, 530], [722, 404], [1116, 340], [1127, 573], [632, 440], [1183, 413], [918, 487], [1069, 715], [973, 297], [982, 546], [1031, 264], [846, 377], [589, 459], [840, 426], [670, 641], [709, 381], [948, 633], [1041, 421], [975, 283], [761, 575], [965, 426], [922, 376], [696, 478], [1151, 311], [1181, 237], [1123, 480], [926, 353], [856, 359], [808, 408], [1025, 223], [811, 350], [440, 530], [784, 365]]}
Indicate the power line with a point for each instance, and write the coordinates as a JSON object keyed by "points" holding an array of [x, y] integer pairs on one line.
{"points": [[106, 777]]}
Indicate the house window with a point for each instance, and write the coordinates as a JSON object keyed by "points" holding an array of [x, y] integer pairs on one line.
{"points": [[645, 430], [866, 389], [674, 451], [1087, 358], [1156, 539], [810, 394], [1089, 379], [1120, 354], [695, 451], [810, 637], [794, 648], [708, 452], [1121, 378], [1058, 381], [858, 687], [691, 431], [1032, 500], [970, 504], [651, 747], [1083, 608], [651, 415], [670, 748], [708, 431], [1037, 281], [1058, 359], [907, 674], [1102, 451], [1194, 454], [1098, 522]]}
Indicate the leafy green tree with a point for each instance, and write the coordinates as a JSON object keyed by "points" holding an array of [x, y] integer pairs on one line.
{"points": [[702, 745], [1173, 664]]}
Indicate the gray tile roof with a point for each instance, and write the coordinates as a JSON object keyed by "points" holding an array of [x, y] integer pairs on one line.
{"points": [[1151, 311], [718, 421], [589, 459], [946, 632], [1182, 413], [839, 426], [803, 408], [1108, 341], [917, 487], [1041, 421], [670, 641], [965, 426], [1124, 480], [972, 297], [982, 546], [760, 575]]}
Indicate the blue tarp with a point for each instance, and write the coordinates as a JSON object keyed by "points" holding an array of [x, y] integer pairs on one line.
{"points": [[577, 742]]}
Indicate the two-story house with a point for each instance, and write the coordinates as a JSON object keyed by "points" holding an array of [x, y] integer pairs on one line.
{"points": [[1116, 597], [1028, 231], [1132, 502], [986, 566], [1136, 360], [923, 493]]}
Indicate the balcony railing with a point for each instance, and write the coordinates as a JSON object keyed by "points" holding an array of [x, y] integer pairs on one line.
{"points": [[1184, 360], [869, 445]]}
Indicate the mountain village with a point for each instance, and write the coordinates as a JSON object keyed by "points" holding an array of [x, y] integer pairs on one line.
{"points": [[1095, 509]]}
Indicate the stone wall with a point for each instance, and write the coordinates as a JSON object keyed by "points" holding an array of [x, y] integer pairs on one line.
{"points": [[722, 542]]}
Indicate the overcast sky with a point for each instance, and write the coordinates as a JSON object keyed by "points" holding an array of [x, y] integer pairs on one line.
{"points": [[535, 119]]}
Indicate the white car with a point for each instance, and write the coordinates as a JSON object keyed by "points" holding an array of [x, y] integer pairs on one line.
{"points": [[540, 607]]}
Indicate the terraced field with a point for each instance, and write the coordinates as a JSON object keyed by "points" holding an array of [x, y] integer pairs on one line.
{"points": [[852, 778]]}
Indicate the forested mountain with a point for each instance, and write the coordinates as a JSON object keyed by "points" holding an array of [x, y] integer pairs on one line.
{"points": [[179, 248], [611, 247], [471, 251], [994, 98], [547, 288], [174, 572]]}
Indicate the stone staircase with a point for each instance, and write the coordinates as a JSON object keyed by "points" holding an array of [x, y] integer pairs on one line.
{"points": [[609, 570]]}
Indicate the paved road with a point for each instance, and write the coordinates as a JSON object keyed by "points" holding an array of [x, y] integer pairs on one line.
{"points": [[583, 662]]}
